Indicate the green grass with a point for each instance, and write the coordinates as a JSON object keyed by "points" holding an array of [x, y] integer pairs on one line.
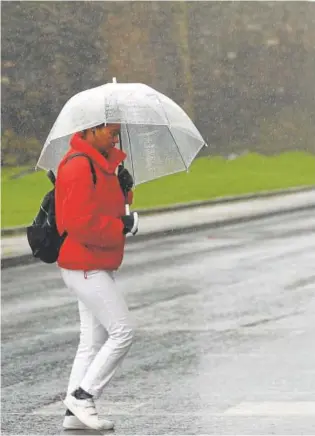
{"points": [[208, 178]]}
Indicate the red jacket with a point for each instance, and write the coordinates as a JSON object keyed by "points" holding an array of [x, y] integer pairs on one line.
{"points": [[90, 213]]}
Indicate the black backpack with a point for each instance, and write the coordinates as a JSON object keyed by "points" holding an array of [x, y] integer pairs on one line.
{"points": [[42, 235]]}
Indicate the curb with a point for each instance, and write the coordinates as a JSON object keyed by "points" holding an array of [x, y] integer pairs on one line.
{"points": [[15, 231], [217, 224], [226, 199], [27, 259]]}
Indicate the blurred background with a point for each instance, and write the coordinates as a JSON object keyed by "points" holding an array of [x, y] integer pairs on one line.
{"points": [[243, 71]]}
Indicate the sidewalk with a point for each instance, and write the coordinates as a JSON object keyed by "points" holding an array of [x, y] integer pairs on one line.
{"points": [[15, 249]]}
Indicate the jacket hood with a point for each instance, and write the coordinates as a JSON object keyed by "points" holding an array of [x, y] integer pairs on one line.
{"points": [[109, 164]]}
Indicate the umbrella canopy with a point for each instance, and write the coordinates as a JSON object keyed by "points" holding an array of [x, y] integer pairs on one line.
{"points": [[158, 137]]}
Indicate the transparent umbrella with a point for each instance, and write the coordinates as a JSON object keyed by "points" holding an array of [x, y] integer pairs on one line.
{"points": [[158, 137]]}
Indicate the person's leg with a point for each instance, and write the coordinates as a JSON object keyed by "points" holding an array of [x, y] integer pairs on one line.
{"points": [[98, 292], [109, 306], [92, 337]]}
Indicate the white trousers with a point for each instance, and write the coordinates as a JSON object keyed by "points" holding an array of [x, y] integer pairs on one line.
{"points": [[105, 329]]}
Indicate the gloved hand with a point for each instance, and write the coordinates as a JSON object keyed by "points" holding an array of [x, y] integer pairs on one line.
{"points": [[130, 223], [125, 179]]}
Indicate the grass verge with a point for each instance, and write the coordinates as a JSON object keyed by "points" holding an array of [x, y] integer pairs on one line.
{"points": [[207, 178]]}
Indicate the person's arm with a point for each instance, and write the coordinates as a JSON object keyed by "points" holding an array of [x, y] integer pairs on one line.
{"points": [[79, 209]]}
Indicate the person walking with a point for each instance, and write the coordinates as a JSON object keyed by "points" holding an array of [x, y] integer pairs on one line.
{"points": [[91, 190]]}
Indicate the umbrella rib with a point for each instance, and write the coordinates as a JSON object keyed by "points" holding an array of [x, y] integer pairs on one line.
{"points": [[133, 169], [169, 128], [178, 149], [165, 113]]}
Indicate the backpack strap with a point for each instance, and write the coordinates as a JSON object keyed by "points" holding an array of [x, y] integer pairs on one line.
{"points": [[52, 177], [90, 162]]}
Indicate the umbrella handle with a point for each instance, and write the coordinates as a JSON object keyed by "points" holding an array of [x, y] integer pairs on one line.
{"points": [[127, 206], [134, 229]]}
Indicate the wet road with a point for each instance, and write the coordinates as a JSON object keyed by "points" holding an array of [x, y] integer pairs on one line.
{"points": [[224, 344]]}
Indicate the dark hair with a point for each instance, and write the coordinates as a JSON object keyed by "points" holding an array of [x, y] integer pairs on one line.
{"points": [[84, 132]]}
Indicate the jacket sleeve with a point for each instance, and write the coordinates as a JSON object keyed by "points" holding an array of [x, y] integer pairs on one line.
{"points": [[79, 208]]}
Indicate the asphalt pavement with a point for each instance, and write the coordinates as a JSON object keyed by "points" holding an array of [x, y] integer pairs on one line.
{"points": [[224, 336]]}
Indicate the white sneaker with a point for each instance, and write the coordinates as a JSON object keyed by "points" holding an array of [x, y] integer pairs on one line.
{"points": [[71, 422], [85, 412]]}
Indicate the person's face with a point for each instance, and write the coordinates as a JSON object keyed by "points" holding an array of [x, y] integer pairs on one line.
{"points": [[106, 137]]}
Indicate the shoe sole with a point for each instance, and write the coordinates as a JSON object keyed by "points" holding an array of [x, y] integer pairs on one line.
{"points": [[72, 427], [84, 427]]}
